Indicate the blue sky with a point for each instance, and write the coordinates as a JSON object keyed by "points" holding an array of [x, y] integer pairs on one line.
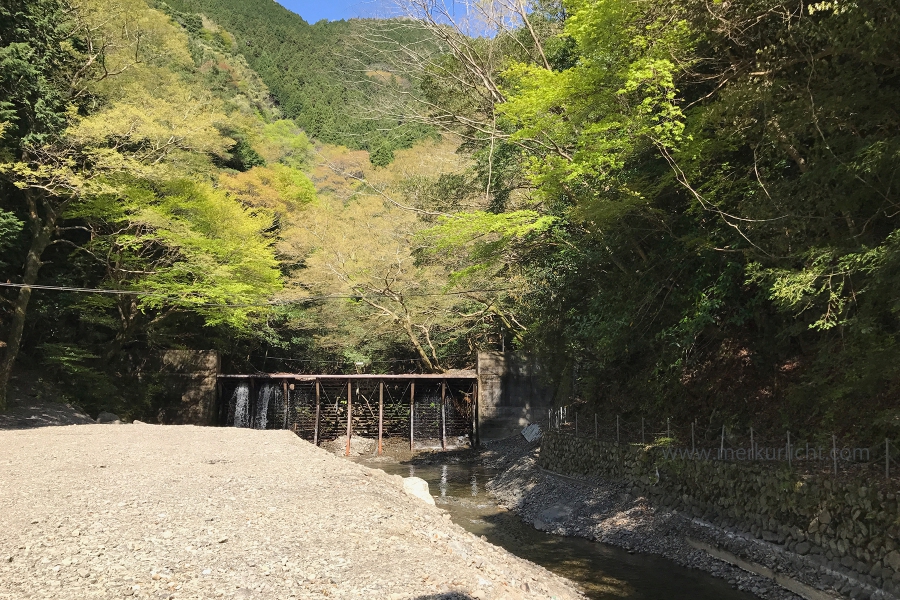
{"points": [[333, 10]]}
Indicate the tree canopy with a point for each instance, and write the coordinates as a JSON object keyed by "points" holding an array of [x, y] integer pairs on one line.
{"points": [[111, 160], [721, 175], [688, 207]]}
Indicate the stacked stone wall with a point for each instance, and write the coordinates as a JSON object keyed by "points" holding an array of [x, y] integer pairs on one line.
{"points": [[851, 526]]}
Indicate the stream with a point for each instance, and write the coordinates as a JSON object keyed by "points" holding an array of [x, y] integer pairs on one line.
{"points": [[602, 571]]}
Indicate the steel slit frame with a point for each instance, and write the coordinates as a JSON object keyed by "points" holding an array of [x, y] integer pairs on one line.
{"points": [[443, 378], [401, 376]]}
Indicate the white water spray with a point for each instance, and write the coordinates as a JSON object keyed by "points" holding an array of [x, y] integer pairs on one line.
{"points": [[267, 393], [241, 399]]}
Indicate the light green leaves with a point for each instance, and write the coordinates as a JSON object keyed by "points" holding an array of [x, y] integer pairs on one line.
{"points": [[480, 229], [479, 243], [10, 227], [586, 122], [829, 284], [192, 247]]}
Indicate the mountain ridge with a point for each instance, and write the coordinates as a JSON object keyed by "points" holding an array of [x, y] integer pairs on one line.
{"points": [[311, 70]]}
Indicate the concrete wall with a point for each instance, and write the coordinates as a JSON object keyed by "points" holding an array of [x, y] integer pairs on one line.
{"points": [[190, 377], [512, 394], [848, 527]]}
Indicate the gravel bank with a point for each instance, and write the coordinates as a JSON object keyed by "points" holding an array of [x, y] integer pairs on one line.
{"points": [[146, 511], [604, 511]]}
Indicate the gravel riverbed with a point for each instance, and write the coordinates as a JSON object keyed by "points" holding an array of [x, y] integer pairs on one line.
{"points": [[605, 511], [148, 511]]}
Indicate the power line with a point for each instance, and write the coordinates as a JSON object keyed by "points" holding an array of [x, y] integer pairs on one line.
{"points": [[350, 362], [308, 299], [77, 289]]}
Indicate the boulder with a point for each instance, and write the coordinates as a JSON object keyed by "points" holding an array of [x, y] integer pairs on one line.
{"points": [[109, 418], [418, 488], [557, 512], [893, 560]]}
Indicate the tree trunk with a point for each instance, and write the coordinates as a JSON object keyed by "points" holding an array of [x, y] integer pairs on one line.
{"points": [[42, 228], [405, 322], [430, 366]]}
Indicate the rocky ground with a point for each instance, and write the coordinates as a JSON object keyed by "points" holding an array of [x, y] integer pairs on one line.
{"points": [[147, 511], [605, 511]]}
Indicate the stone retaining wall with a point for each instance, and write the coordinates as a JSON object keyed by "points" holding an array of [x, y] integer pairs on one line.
{"points": [[850, 527]]}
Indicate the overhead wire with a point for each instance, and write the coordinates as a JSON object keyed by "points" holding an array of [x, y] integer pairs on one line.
{"points": [[350, 362], [274, 303]]}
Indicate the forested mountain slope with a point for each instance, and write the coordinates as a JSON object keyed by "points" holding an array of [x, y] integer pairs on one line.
{"points": [[116, 127], [683, 209], [317, 73], [152, 196]]}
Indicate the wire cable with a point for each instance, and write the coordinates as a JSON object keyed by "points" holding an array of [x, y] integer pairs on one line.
{"points": [[274, 303]]}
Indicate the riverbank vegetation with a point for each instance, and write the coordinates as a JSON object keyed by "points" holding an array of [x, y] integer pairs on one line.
{"points": [[684, 208], [721, 180]]}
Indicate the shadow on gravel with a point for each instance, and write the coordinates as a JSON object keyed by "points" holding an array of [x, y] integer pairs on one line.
{"points": [[446, 596], [31, 414], [36, 402]]}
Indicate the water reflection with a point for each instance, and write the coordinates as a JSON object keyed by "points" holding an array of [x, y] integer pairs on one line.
{"points": [[603, 572]]}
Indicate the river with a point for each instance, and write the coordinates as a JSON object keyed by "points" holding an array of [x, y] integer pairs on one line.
{"points": [[602, 571]]}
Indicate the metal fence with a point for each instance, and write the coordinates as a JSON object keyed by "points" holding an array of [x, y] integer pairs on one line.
{"points": [[818, 453]]}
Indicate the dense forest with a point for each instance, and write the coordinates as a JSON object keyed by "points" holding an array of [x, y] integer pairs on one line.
{"points": [[320, 74], [683, 208]]}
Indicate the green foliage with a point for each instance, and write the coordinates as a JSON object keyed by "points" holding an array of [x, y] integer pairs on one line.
{"points": [[191, 22], [482, 237], [691, 206], [10, 227], [217, 261], [617, 99], [89, 384], [244, 157], [825, 284], [720, 175], [134, 167], [314, 71], [36, 51], [284, 142]]}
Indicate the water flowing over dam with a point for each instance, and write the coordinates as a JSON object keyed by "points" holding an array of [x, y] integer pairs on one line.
{"points": [[417, 408]]}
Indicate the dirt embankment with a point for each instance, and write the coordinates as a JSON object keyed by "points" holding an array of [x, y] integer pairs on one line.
{"points": [[145, 511]]}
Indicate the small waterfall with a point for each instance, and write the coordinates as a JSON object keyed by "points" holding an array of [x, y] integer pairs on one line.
{"points": [[241, 399], [267, 393]]}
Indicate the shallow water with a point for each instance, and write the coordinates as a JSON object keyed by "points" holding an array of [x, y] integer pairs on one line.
{"points": [[602, 571]]}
